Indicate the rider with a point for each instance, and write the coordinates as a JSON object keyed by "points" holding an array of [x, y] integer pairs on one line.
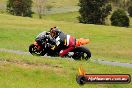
{"points": [[64, 42], [40, 39]]}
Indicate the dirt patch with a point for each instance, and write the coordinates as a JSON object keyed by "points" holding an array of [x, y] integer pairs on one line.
{"points": [[28, 65]]}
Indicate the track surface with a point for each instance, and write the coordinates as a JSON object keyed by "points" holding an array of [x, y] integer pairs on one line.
{"points": [[96, 61]]}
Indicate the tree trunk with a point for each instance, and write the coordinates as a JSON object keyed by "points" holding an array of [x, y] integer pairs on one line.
{"points": [[40, 16]]}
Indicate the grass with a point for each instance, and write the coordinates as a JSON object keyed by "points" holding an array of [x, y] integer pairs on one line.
{"points": [[2, 1], [63, 3], [71, 17], [68, 17], [22, 71], [107, 42]]}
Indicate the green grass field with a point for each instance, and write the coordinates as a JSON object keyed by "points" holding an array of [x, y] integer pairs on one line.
{"points": [[107, 42], [2, 1], [26, 71], [62, 3], [22, 71], [68, 17], [71, 17]]}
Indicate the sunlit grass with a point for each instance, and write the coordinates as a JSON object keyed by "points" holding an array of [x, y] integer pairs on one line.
{"points": [[107, 42], [68, 17], [63, 3], [22, 71]]}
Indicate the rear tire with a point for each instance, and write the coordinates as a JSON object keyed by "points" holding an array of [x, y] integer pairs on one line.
{"points": [[84, 51]]}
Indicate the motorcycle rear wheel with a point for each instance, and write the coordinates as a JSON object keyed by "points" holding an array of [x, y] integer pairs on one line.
{"points": [[83, 53]]}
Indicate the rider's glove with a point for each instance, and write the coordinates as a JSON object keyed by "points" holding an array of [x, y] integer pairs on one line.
{"points": [[50, 46]]}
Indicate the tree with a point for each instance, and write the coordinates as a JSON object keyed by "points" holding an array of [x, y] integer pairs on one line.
{"points": [[120, 18], [94, 11], [40, 6], [19, 7]]}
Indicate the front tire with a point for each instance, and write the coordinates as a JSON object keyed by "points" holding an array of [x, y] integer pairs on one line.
{"points": [[33, 49]]}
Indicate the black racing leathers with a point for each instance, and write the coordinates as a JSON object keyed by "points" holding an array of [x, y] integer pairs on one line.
{"points": [[60, 40]]}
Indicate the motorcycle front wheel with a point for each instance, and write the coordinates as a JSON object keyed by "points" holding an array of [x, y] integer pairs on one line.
{"points": [[33, 49]]}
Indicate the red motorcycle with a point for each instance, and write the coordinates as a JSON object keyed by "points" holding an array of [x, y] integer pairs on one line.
{"points": [[41, 48]]}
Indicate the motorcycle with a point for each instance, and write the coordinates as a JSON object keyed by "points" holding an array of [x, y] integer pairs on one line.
{"points": [[41, 47]]}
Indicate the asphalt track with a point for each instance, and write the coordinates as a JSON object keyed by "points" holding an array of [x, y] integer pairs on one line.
{"points": [[128, 65]]}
